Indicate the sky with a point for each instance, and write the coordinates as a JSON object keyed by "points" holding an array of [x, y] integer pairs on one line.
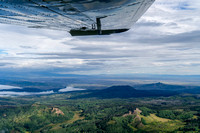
{"points": [[166, 40]]}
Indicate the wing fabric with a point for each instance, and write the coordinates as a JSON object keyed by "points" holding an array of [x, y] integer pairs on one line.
{"points": [[73, 14]]}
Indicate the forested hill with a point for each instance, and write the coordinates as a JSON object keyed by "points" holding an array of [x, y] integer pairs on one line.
{"points": [[161, 86], [168, 87], [126, 92]]}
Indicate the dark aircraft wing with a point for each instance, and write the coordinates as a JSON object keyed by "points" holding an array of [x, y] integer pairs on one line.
{"points": [[79, 17]]}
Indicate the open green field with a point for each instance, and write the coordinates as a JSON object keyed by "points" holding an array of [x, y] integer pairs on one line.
{"points": [[158, 124]]}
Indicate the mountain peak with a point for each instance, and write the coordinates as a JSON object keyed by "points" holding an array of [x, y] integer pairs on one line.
{"points": [[121, 87], [159, 84]]}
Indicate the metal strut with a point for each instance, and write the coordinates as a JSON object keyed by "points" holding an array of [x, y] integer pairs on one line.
{"points": [[98, 19], [99, 26]]}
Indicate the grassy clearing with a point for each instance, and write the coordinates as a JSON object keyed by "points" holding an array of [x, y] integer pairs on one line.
{"points": [[111, 122], [155, 123], [57, 126], [152, 118]]}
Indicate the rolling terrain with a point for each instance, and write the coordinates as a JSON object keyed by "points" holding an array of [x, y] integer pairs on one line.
{"points": [[114, 109]]}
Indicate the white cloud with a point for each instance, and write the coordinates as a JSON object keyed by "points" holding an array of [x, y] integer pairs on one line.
{"points": [[70, 88], [12, 93], [7, 87]]}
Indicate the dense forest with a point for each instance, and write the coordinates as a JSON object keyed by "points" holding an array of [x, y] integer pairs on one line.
{"points": [[60, 113]]}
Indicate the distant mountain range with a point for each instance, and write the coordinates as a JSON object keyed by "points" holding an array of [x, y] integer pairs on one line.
{"points": [[160, 86], [145, 90], [126, 92], [168, 87], [123, 91]]}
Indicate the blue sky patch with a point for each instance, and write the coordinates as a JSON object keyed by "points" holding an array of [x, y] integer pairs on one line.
{"points": [[185, 6], [3, 52]]}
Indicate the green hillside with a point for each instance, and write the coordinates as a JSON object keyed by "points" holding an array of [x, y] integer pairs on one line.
{"points": [[59, 114]]}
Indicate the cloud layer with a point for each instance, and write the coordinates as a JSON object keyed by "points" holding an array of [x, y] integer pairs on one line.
{"points": [[8, 87], [70, 88], [164, 41], [12, 93], [5, 91]]}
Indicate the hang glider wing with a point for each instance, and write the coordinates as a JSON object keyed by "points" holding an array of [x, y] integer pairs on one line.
{"points": [[79, 17]]}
